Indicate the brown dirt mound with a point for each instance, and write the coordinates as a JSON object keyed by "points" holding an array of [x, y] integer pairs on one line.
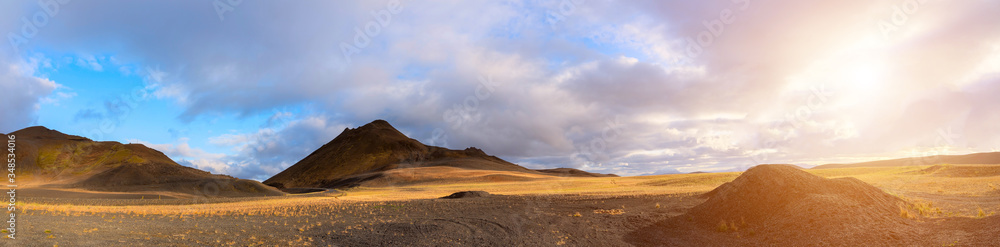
{"points": [[782, 204], [467, 194]]}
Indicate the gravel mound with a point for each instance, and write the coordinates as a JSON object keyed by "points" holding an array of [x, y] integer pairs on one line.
{"points": [[782, 204], [770, 194]]}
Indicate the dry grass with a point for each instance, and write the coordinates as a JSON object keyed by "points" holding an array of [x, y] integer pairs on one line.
{"points": [[928, 196], [610, 211], [903, 212], [900, 181], [732, 226]]}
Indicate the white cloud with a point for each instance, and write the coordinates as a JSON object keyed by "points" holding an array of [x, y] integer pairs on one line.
{"points": [[90, 62], [57, 97], [23, 92], [260, 154], [750, 93]]}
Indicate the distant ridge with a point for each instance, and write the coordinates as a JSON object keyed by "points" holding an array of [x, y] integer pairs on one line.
{"points": [[41, 132], [570, 172], [968, 159], [57, 160], [368, 152]]}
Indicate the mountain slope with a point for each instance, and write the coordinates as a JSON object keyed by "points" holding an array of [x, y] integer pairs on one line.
{"points": [[968, 159], [50, 158], [368, 152]]}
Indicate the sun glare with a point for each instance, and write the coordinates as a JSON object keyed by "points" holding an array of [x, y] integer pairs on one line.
{"points": [[864, 77]]}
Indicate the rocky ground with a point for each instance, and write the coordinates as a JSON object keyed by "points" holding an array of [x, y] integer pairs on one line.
{"points": [[765, 206], [497, 220]]}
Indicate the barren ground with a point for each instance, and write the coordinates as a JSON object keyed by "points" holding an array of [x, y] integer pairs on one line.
{"points": [[548, 212]]}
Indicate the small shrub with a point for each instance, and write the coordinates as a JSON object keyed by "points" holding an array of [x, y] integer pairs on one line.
{"points": [[926, 209], [906, 213], [577, 214], [723, 227]]}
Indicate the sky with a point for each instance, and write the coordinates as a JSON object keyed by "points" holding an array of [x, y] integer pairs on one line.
{"points": [[248, 88]]}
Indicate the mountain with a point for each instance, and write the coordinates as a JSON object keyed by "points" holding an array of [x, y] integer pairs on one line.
{"points": [[378, 152], [51, 159], [972, 159]]}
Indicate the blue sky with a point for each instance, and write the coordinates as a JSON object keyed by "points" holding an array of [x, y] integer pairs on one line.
{"points": [[639, 87]]}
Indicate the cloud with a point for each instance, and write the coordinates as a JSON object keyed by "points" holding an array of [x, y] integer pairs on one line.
{"points": [[781, 82], [266, 152], [23, 92], [182, 149], [261, 154], [90, 62], [57, 97]]}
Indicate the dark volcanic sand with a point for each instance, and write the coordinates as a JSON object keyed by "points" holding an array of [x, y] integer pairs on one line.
{"points": [[498, 220]]}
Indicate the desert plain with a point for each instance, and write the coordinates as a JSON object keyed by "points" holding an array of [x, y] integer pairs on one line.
{"points": [[934, 205]]}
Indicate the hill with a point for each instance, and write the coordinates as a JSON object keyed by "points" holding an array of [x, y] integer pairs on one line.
{"points": [[783, 205], [48, 158], [369, 152], [960, 171], [968, 159]]}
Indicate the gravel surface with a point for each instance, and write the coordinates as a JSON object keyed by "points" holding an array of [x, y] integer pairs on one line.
{"points": [[498, 220]]}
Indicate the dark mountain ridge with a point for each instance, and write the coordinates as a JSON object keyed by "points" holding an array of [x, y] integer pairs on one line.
{"points": [[364, 153]]}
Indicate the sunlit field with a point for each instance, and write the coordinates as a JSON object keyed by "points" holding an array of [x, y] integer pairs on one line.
{"points": [[909, 182], [361, 213]]}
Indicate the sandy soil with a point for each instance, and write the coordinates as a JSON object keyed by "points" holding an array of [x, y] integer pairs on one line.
{"points": [[498, 220], [631, 211]]}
